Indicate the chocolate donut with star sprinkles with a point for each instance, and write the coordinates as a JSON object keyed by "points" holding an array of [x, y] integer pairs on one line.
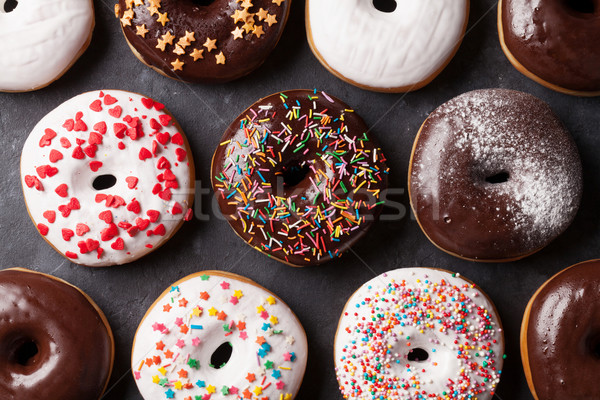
{"points": [[298, 177], [202, 41]]}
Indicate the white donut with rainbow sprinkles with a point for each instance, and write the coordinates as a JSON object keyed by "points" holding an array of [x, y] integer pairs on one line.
{"points": [[215, 335], [416, 334], [108, 177]]}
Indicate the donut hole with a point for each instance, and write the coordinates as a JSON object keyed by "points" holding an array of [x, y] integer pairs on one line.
{"points": [[581, 6], [24, 351], [294, 173], [500, 177], [386, 6], [418, 355], [10, 5], [102, 182], [220, 357]]}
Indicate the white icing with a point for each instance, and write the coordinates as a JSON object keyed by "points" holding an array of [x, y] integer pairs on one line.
{"points": [[410, 324], [386, 50], [40, 39], [240, 301], [78, 176]]}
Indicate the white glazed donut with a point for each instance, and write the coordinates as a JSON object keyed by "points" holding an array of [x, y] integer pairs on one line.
{"points": [[395, 51], [95, 140], [419, 333], [176, 350], [40, 40]]}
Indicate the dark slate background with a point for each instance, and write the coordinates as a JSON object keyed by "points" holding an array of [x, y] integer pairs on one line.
{"points": [[317, 294]]}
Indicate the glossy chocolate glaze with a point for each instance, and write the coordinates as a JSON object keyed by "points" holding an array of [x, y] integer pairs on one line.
{"points": [[213, 21], [563, 335], [74, 356], [487, 135], [555, 41], [297, 211]]}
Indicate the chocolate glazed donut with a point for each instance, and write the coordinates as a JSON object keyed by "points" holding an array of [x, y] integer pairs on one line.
{"points": [[494, 176], [560, 335], [54, 341], [554, 42], [190, 41]]}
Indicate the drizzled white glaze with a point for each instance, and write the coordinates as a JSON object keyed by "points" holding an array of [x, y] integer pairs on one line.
{"points": [[40, 39], [153, 215], [199, 313], [386, 50]]}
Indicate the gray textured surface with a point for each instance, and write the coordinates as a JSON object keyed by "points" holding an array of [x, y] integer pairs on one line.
{"points": [[317, 295]]}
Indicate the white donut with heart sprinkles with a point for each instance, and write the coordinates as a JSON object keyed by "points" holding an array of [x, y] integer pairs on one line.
{"points": [[419, 333], [108, 177], [215, 335]]}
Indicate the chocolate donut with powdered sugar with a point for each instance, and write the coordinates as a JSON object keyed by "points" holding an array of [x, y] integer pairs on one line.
{"points": [[494, 176]]}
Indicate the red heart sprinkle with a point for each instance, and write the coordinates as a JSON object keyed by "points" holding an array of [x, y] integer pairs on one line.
{"points": [[100, 127], [64, 142], [74, 204], [95, 138], [118, 244], [80, 126], [164, 119], [148, 103], [131, 181], [158, 106], [90, 150], [69, 125], [171, 184], [70, 254], [55, 155], [46, 140], [100, 197], [144, 154], [169, 176], [64, 210], [163, 163], [154, 124], [81, 229], [50, 216], [153, 215], [134, 207], [109, 100], [163, 137], [157, 188], [142, 223], [78, 153], [119, 129], [106, 216], [177, 139], [115, 112], [96, 106], [92, 244], [62, 190], [67, 234], [95, 165], [160, 230], [188, 215], [181, 153], [165, 194], [176, 209]]}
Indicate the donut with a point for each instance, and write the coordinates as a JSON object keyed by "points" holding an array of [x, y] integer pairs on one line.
{"points": [[202, 41], [553, 42], [217, 335], [108, 177], [55, 342], [386, 46], [419, 333], [298, 177], [560, 335], [494, 176], [39, 42]]}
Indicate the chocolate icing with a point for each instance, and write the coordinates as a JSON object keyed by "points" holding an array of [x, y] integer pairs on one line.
{"points": [[213, 21], [494, 135], [563, 335], [299, 147], [74, 346], [554, 41]]}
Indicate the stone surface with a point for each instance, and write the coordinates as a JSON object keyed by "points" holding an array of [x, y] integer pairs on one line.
{"points": [[317, 295]]}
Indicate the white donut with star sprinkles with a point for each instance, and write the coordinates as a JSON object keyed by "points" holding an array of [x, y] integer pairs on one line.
{"points": [[419, 333], [216, 335], [108, 177]]}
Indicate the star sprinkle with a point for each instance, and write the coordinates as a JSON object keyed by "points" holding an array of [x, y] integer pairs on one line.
{"points": [[238, 33], [210, 44], [271, 19], [220, 58], [141, 30], [177, 65], [163, 18], [225, 285], [258, 31], [197, 54], [261, 14], [278, 2]]}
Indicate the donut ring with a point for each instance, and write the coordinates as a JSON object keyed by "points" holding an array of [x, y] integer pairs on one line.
{"points": [[219, 42], [553, 43], [39, 43], [298, 177], [383, 51], [560, 335], [55, 342], [494, 176], [108, 177], [417, 333], [213, 335]]}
